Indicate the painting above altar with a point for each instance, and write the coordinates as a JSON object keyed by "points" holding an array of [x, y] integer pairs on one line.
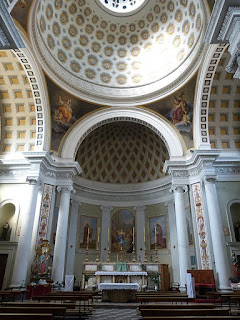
{"points": [[158, 232], [122, 231], [88, 232]]}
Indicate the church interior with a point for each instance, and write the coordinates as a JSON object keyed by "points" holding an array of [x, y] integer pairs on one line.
{"points": [[120, 143]]}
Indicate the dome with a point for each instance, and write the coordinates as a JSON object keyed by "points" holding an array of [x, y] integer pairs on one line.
{"points": [[122, 152], [103, 54]]}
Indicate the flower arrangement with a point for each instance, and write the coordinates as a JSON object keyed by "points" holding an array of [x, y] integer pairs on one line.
{"points": [[86, 277], [99, 267], [234, 279], [143, 267], [155, 277]]}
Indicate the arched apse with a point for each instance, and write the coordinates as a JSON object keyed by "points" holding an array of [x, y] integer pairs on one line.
{"points": [[162, 127]]}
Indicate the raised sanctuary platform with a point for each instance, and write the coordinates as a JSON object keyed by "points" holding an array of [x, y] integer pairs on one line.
{"points": [[125, 272]]}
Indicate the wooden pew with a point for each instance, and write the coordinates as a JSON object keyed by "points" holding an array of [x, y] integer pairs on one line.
{"points": [[40, 304], [199, 317], [177, 306], [55, 311], [184, 312], [164, 299], [26, 316]]}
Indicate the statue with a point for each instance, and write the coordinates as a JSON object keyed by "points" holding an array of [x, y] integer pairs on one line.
{"points": [[6, 228]]}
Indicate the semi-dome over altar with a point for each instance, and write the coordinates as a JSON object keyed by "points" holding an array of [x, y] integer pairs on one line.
{"points": [[103, 51]]}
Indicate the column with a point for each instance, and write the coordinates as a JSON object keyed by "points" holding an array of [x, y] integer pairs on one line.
{"points": [[35, 229], [218, 242], [140, 224], [61, 235], [24, 244], [105, 226], [72, 237], [173, 240], [182, 235]]}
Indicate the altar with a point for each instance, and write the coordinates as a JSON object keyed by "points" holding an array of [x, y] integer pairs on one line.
{"points": [[124, 272], [118, 292], [124, 277]]}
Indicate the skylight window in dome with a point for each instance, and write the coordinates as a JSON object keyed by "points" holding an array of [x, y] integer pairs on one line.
{"points": [[122, 6]]}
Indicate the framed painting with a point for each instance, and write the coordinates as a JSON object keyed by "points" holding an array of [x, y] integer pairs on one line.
{"points": [[88, 232], [157, 232], [189, 225], [122, 231]]}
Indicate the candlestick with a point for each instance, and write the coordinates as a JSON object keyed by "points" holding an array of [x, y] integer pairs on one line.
{"points": [[108, 235], [88, 234], [144, 235], [98, 234], [155, 234], [133, 234]]}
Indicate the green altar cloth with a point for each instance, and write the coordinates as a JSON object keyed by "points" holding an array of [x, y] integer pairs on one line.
{"points": [[121, 266]]}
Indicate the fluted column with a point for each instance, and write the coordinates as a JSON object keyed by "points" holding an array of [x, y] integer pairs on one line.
{"points": [[140, 224], [105, 226], [219, 246], [35, 229], [24, 244], [72, 237], [182, 234], [61, 235], [173, 240]]}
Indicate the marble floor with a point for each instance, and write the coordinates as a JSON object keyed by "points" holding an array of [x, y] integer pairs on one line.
{"points": [[114, 313]]}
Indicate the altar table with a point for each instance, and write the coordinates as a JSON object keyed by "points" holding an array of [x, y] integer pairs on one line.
{"points": [[118, 292], [121, 277]]}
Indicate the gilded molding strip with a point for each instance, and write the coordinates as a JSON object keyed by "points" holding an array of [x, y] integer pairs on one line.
{"points": [[44, 213], [200, 220]]}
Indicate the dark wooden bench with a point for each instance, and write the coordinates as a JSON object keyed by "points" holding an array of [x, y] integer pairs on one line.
{"points": [[184, 312], [55, 311], [177, 306], [40, 304], [199, 317], [164, 299], [25, 316]]}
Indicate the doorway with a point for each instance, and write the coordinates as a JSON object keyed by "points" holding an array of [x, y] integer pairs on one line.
{"points": [[3, 263]]}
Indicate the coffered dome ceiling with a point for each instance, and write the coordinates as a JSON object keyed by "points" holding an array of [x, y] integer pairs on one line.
{"points": [[112, 52], [122, 152]]}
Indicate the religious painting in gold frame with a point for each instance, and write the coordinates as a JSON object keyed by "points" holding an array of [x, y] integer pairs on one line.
{"points": [[122, 231], [157, 232], [88, 232]]}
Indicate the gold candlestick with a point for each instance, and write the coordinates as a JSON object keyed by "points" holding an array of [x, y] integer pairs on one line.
{"points": [[86, 257], [145, 255], [97, 256], [108, 256], [156, 253], [134, 254], [121, 252]]}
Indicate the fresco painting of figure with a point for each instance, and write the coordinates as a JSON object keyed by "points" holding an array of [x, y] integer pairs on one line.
{"points": [[88, 232], [158, 232]]}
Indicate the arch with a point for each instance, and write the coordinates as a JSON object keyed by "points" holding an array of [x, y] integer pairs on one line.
{"points": [[14, 220], [230, 220], [170, 136], [202, 96]]}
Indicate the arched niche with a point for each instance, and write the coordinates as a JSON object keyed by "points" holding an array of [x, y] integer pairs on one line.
{"points": [[8, 220], [122, 231], [233, 213]]}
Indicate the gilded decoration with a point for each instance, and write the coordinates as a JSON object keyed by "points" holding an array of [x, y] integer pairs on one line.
{"points": [[201, 226]]}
